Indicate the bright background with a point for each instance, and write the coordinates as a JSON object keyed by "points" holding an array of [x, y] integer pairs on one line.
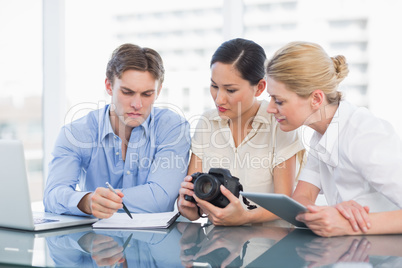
{"points": [[53, 55]]}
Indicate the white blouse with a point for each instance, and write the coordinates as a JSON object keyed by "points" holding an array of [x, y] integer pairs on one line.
{"points": [[358, 158], [253, 161]]}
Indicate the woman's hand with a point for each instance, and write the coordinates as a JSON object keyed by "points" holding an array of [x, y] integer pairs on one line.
{"points": [[356, 214], [326, 221], [233, 214], [187, 209]]}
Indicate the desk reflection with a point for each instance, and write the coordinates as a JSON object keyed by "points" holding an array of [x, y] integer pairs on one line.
{"points": [[184, 244], [196, 245], [302, 248]]}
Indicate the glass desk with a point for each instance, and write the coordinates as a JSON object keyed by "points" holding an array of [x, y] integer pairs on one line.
{"points": [[187, 244]]}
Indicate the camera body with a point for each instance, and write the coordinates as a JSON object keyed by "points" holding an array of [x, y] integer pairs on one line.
{"points": [[207, 186]]}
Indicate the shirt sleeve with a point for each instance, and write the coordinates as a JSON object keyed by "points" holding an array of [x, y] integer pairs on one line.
{"points": [[198, 142], [377, 155], [60, 195], [165, 174], [310, 172], [287, 144]]}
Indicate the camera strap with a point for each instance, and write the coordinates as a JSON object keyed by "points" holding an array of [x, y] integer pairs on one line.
{"points": [[201, 215], [245, 201]]}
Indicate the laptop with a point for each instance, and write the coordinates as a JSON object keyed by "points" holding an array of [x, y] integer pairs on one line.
{"points": [[281, 205], [15, 203]]}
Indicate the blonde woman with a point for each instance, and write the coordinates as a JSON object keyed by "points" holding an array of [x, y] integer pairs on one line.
{"points": [[355, 159]]}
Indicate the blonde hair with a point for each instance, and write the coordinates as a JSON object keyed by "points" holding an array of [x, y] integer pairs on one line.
{"points": [[305, 67]]}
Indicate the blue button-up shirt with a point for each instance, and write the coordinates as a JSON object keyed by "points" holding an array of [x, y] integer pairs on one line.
{"points": [[88, 154]]}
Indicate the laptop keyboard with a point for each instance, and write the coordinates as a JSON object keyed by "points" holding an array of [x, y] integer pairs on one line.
{"points": [[43, 220]]}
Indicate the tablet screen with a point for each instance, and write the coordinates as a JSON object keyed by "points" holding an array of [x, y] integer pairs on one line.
{"points": [[281, 205]]}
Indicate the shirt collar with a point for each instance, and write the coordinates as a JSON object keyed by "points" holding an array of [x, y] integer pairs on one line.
{"points": [[106, 125], [148, 124], [327, 145], [260, 118]]}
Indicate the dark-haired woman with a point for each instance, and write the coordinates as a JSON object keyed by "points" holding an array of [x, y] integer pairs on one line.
{"points": [[241, 136]]}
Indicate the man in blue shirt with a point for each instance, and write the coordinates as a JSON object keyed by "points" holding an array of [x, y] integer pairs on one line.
{"points": [[142, 151]]}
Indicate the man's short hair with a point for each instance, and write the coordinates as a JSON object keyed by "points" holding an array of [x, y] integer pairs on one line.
{"points": [[133, 57]]}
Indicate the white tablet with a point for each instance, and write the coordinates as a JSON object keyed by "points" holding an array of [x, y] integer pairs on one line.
{"points": [[281, 205]]}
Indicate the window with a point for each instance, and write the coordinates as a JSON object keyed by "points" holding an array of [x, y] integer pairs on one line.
{"points": [[185, 33], [21, 83]]}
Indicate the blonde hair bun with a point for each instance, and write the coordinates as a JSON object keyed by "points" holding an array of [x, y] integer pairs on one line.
{"points": [[341, 67]]}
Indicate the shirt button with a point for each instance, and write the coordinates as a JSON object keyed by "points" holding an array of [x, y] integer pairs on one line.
{"points": [[128, 172], [117, 153], [115, 137]]}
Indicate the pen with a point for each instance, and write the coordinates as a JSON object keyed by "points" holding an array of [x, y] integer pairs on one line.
{"points": [[124, 206]]}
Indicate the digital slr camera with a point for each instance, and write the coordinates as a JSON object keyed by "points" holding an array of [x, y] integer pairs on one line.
{"points": [[207, 186]]}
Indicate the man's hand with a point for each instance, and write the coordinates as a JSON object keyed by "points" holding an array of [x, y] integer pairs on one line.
{"points": [[102, 203]]}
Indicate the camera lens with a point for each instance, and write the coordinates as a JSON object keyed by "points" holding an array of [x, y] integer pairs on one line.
{"points": [[206, 187]]}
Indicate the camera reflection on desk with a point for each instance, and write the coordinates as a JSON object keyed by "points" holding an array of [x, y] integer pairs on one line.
{"points": [[214, 246]]}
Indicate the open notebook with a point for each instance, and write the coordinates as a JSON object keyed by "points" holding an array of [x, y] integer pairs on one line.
{"points": [[139, 221], [15, 202]]}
